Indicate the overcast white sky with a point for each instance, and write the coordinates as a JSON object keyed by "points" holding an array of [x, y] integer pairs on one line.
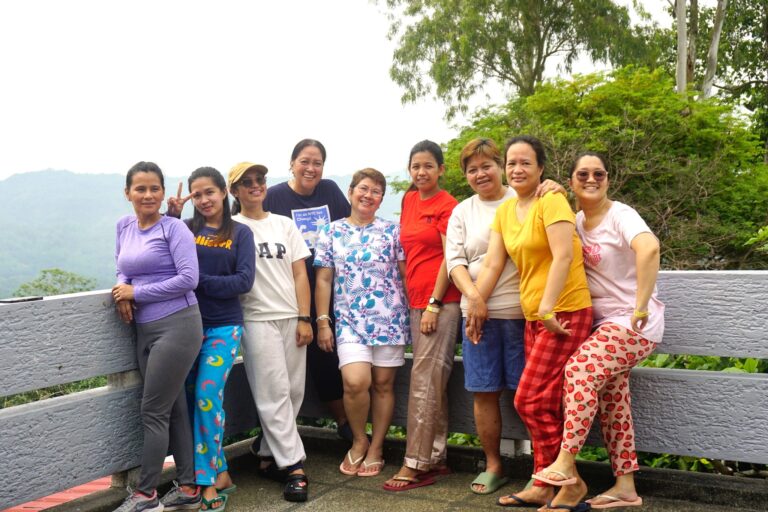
{"points": [[97, 85]]}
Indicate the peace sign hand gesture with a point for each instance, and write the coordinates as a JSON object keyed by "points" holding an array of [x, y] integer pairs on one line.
{"points": [[176, 204]]}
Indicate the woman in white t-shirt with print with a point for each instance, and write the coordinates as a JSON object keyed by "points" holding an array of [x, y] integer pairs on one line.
{"points": [[277, 330], [621, 258]]}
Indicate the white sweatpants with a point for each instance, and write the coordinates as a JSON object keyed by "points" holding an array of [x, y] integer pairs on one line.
{"points": [[276, 369]]}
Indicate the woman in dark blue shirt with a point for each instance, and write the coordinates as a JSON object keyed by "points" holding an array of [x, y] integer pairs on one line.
{"points": [[226, 255]]}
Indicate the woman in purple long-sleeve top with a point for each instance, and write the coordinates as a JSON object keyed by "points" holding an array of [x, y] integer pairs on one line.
{"points": [[157, 272]]}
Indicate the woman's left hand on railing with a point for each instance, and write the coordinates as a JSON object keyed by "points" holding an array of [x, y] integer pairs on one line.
{"points": [[125, 310], [122, 291]]}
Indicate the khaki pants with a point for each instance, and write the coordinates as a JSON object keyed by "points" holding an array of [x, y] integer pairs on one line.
{"points": [[428, 397]]}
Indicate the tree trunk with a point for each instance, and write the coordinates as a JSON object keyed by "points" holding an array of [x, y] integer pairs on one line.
{"points": [[714, 46], [693, 35], [681, 46]]}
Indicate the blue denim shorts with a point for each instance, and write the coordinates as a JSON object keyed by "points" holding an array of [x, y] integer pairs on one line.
{"points": [[497, 362]]}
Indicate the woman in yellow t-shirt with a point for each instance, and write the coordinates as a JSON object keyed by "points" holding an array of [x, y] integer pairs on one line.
{"points": [[539, 234]]}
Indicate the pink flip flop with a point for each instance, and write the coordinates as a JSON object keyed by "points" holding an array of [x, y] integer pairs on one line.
{"points": [[556, 483], [370, 468], [615, 502], [355, 463], [413, 483]]}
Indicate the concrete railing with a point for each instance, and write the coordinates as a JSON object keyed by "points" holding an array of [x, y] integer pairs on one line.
{"points": [[57, 443]]}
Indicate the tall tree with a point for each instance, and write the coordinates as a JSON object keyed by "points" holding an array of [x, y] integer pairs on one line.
{"points": [[693, 170], [450, 48], [714, 46], [682, 44], [54, 281]]}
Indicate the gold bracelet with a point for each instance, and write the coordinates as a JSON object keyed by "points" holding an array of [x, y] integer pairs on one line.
{"points": [[640, 314], [547, 316], [433, 309]]}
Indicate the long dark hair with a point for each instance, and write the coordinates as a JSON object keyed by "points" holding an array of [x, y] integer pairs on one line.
{"points": [[420, 147], [197, 223]]}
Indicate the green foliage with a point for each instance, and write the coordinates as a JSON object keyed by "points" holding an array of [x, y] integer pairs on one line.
{"points": [[693, 170], [54, 281], [760, 239], [707, 363], [52, 392], [742, 65], [451, 48]]}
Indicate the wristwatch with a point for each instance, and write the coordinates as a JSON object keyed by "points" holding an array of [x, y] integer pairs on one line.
{"points": [[435, 302], [307, 319]]}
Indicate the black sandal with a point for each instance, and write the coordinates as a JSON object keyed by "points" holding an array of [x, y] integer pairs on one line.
{"points": [[271, 471], [296, 488]]}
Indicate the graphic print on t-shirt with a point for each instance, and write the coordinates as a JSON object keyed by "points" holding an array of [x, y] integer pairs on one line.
{"points": [[591, 254], [264, 251], [211, 241], [310, 221]]}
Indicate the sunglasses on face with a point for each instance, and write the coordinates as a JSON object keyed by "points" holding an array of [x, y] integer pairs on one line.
{"points": [[598, 175], [249, 182]]}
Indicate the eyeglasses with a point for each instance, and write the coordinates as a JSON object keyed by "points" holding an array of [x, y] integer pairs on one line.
{"points": [[248, 182], [375, 192], [598, 175]]}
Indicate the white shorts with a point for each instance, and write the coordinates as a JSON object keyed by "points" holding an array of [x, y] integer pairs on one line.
{"points": [[385, 356]]}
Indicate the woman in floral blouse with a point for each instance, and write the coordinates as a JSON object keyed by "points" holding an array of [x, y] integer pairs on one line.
{"points": [[361, 260]]}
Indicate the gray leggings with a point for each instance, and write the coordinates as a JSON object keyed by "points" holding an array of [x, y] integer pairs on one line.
{"points": [[166, 350]]}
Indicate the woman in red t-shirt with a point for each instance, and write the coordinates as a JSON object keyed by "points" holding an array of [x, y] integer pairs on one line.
{"points": [[435, 317]]}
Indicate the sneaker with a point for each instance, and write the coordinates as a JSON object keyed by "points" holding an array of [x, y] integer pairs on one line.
{"points": [[177, 499], [137, 502]]}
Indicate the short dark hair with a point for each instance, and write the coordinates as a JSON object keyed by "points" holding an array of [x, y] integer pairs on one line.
{"points": [[370, 173], [144, 167], [197, 223], [536, 144], [306, 143], [480, 146]]}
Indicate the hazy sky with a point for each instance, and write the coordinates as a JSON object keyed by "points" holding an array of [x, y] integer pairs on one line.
{"points": [[95, 86]]}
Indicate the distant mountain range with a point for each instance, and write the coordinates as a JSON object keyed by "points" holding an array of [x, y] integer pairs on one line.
{"points": [[61, 219]]}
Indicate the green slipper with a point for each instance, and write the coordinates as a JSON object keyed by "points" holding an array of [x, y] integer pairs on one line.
{"points": [[220, 500], [229, 490], [491, 481]]}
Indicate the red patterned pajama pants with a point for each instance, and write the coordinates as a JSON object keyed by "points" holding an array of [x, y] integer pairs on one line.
{"points": [[597, 381], [539, 396]]}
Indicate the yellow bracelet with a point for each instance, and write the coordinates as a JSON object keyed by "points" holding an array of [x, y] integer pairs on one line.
{"points": [[640, 314], [547, 316], [433, 309]]}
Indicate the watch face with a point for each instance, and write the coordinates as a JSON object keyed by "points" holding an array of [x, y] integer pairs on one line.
{"points": [[432, 300]]}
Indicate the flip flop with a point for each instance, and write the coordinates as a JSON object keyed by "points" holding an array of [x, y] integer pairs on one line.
{"points": [[581, 506], [208, 504], [355, 463], [227, 491], [615, 502], [491, 481], [557, 483], [379, 465], [432, 473], [519, 502], [413, 483]]}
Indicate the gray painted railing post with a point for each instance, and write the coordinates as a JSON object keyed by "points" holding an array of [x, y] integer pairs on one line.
{"points": [[118, 381]]}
